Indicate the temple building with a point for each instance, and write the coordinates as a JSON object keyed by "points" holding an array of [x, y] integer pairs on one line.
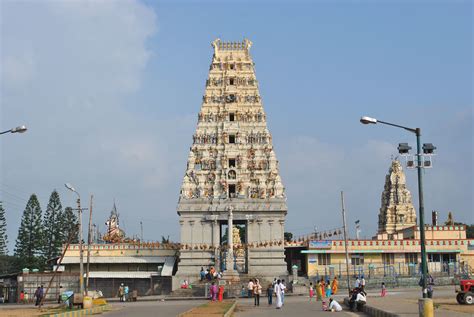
{"points": [[143, 266], [395, 249], [232, 181], [397, 211]]}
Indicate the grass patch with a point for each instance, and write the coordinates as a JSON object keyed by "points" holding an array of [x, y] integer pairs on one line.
{"points": [[210, 309]]}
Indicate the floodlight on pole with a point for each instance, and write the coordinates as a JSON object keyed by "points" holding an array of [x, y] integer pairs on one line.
{"points": [[69, 186], [368, 120], [404, 148], [19, 129]]}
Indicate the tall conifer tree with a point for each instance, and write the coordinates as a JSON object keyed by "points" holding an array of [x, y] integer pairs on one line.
{"points": [[52, 231], [69, 225], [3, 232], [29, 242]]}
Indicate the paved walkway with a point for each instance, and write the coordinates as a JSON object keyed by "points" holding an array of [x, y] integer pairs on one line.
{"points": [[295, 306], [404, 302], [152, 308]]}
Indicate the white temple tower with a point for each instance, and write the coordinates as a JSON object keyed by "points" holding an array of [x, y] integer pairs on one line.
{"points": [[397, 211], [232, 177]]}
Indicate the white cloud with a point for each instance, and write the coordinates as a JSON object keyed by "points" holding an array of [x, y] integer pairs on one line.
{"points": [[67, 69]]}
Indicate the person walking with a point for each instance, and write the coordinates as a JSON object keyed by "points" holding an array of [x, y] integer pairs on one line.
{"points": [[213, 291], [311, 291], [250, 288], [283, 290], [323, 288], [125, 293], [384, 290], [257, 291], [319, 291], [357, 282], [39, 295], [277, 291], [270, 293], [121, 291], [362, 283], [328, 289], [36, 296], [429, 285], [335, 285]]}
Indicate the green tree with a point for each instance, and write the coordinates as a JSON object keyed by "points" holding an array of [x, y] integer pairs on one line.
{"points": [[288, 236], [165, 240], [3, 232], [469, 229], [9, 264], [69, 224], [29, 242], [52, 231]]}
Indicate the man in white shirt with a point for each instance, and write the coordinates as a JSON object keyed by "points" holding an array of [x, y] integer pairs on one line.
{"points": [[334, 305], [250, 288], [283, 289], [361, 300], [362, 283], [357, 283]]}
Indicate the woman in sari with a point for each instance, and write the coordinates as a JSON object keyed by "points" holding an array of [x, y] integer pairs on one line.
{"points": [[335, 285], [323, 287], [319, 291]]}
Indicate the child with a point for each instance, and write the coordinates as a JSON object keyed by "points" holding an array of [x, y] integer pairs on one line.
{"points": [[213, 291], [311, 291], [243, 292], [325, 306], [384, 290], [328, 289], [270, 293]]}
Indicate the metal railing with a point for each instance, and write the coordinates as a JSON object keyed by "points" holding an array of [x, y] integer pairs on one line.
{"points": [[394, 270]]}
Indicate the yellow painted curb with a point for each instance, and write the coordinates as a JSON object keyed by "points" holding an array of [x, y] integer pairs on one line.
{"points": [[80, 313]]}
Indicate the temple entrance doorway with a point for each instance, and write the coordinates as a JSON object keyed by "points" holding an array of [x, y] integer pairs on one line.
{"points": [[239, 241]]}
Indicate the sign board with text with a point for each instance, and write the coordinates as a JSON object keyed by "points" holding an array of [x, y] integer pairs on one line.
{"points": [[320, 244]]}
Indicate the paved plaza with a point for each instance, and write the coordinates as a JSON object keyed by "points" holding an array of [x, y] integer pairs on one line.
{"points": [[294, 306], [152, 308], [400, 301]]}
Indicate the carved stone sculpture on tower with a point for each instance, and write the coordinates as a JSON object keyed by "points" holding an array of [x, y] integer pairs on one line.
{"points": [[397, 211]]}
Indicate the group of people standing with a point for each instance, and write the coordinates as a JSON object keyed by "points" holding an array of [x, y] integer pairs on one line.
{"points": [[39, 293], [276, 288], [123, 292], [324, 289], [210, 274]]}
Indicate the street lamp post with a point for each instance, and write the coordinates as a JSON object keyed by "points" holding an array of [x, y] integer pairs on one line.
{"points": [[19, 129], [81, 251], [417, 131]]}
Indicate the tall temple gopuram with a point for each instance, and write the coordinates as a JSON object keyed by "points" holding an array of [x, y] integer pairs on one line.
{"points": [[232, 178], [397, 211]]}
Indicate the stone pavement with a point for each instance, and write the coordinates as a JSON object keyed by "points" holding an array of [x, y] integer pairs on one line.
{"points": [[152, 308], [404, 302], [295, 306]]}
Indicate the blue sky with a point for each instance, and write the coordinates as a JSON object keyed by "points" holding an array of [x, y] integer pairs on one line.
{"points": [[111, 93]]}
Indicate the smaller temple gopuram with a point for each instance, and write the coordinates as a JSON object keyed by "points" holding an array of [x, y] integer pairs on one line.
{"points": [[396, 211]]}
